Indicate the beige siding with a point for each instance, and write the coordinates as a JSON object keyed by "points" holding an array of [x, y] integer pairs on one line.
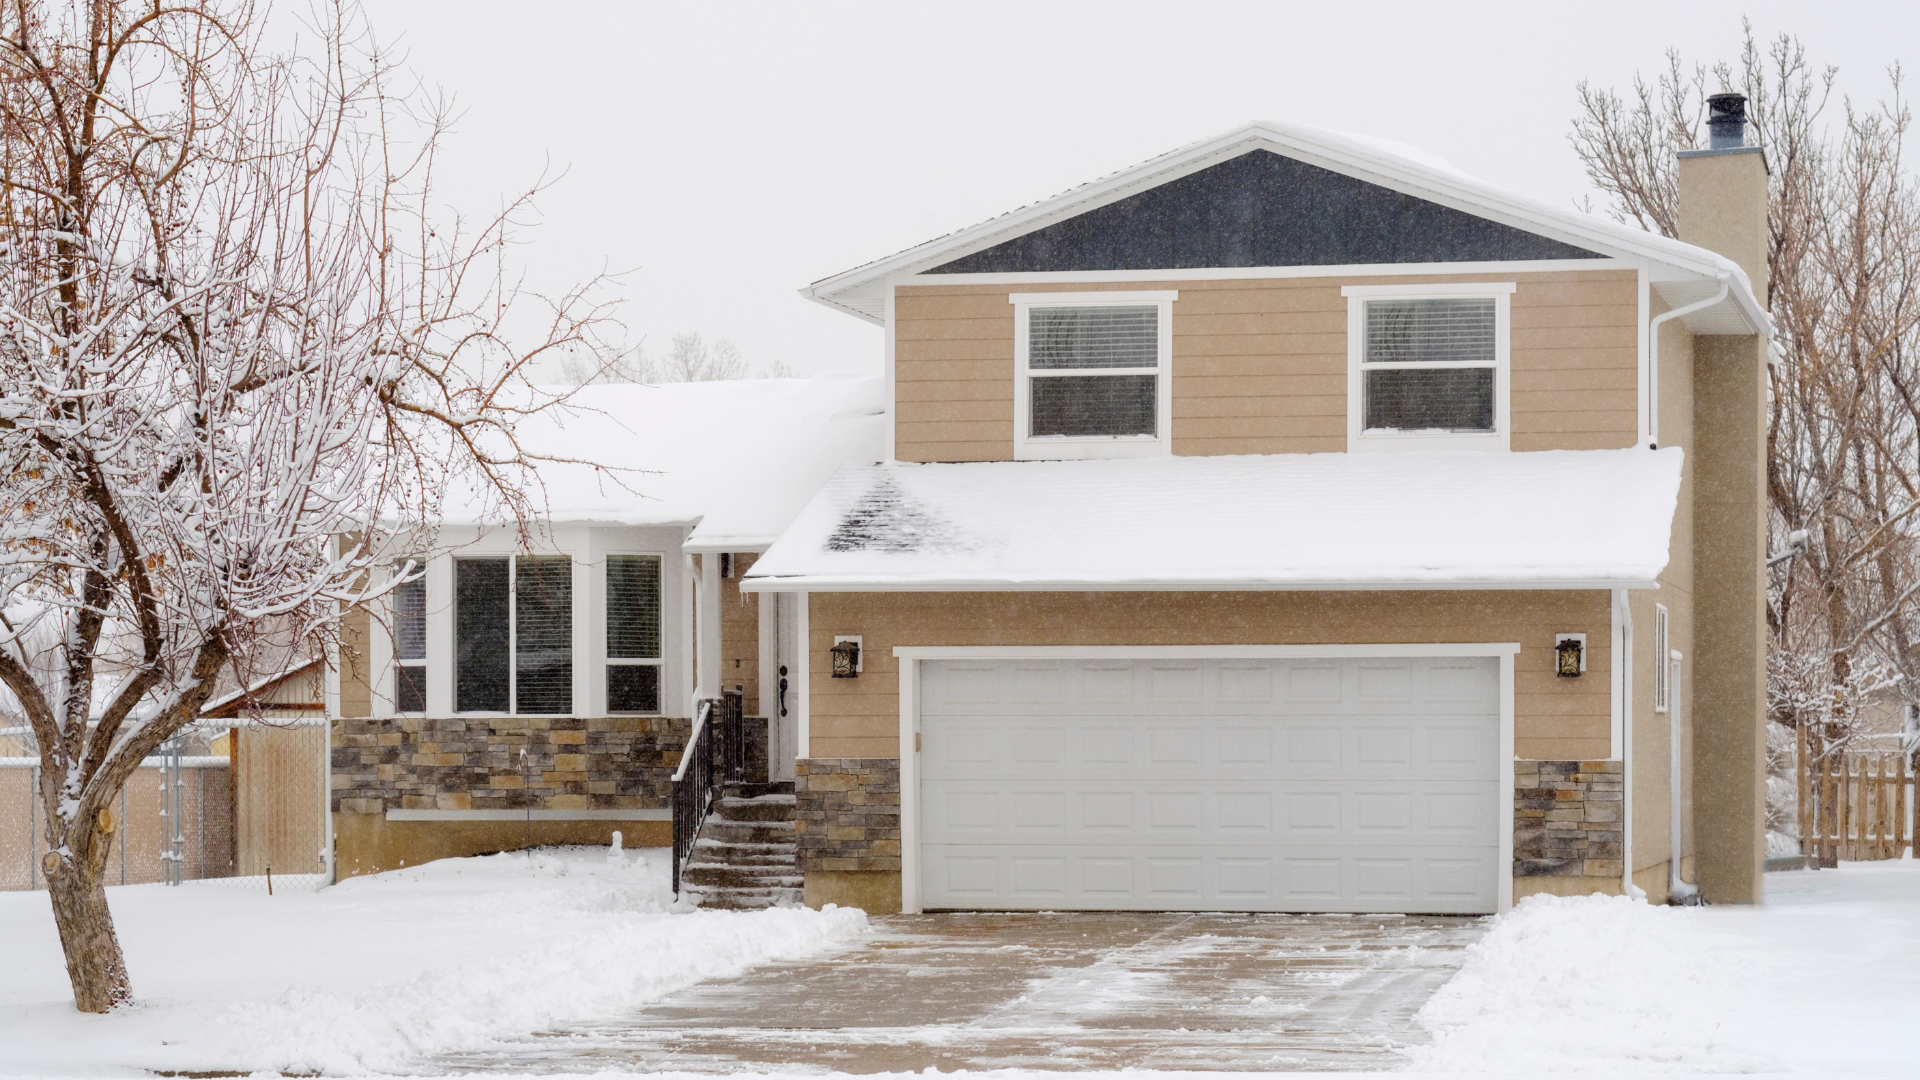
{"points": [[1260, 367], [1554, 717], [740, 636]]}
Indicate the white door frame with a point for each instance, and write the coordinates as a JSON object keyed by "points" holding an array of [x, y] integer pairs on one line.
{"points": [[911, 655]]}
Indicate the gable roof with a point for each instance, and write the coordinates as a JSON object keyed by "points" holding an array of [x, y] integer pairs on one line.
{"points": [[1683, 273], [1548, 519]]}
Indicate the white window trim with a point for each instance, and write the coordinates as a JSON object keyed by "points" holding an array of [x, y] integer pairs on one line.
{"points": [[604, 598], [1662, 680], [1500, 439], [1056, 447]]}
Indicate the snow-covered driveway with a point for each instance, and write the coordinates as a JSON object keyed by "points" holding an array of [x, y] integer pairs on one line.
{"points": [[1046, 991]]}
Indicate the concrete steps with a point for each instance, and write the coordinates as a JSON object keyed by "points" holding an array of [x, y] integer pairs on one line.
{"points": [[746, 855]]}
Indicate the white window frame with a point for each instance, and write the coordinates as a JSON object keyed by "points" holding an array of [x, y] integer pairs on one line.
{"points": [[604, 607], [1500, 438], [1061, 447], [393, 619], [513, 634]]}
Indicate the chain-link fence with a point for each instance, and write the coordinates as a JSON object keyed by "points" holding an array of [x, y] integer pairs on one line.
{"points": [[241, 802]]}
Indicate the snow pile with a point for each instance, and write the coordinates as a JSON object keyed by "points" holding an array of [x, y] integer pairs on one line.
{"points": [[1819, 980], [374, 973], [1547, 518]]}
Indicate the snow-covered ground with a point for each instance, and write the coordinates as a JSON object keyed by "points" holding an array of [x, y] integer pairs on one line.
{"points": [[1822, 980], [369, 974]]}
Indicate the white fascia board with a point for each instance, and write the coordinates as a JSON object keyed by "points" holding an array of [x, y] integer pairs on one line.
{"points": [[823, 584], [728, 545], [1259, 273], [1199, 652], [1461, 194]]}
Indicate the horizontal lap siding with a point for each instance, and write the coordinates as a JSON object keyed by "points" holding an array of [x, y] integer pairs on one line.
{"points": [[1261, 366], [1555, 718]]}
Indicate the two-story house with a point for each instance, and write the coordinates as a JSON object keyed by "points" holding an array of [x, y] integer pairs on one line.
{"points": [[1293, 523]]}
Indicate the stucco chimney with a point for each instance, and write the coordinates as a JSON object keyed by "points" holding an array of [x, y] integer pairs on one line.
{"points": [[1723, 208], [1723, 192]]}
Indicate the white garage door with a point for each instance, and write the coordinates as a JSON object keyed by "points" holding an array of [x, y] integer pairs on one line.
{"points": [[1210, 785]]}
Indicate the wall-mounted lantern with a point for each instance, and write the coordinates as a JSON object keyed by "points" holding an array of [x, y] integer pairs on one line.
{"points": [[846, 657], [1569, 655]]}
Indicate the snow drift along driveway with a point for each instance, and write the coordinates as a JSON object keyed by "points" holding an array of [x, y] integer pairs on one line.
{"points": [[372, 973]]}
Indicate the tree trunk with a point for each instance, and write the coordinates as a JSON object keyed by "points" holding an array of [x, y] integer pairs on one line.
{"points": [[94, 962]]}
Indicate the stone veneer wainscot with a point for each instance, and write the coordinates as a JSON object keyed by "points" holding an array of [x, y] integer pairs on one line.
{"points": [[473, 763], [849, 814], [1567, 819]]}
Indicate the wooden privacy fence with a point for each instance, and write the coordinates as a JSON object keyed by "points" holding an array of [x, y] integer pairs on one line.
{"points": [[1856, 806]]}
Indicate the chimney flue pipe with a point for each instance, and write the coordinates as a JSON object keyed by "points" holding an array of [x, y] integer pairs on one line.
{"points": [[1726, 121]]}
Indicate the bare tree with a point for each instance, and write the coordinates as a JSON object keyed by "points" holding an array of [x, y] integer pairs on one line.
{"points": [[231, 335], [689, 359], [1844, 422]]}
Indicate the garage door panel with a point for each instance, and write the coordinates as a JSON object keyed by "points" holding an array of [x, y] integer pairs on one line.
{"points": [[1332, 785], [1217, 879]]}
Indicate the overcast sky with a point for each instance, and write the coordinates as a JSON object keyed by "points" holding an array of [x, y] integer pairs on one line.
{"points": [[728, 154]]}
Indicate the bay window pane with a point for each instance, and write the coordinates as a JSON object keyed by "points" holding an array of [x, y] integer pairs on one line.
{"points": [[633, 688], [633, 607], [410, 616], [1431, 399], [1093, 337], [1091, 405], [410, 688], [480, 636], [543, 634]]}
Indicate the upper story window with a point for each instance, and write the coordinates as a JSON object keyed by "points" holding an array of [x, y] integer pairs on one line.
{"points": [[1428, 366], [1092, 374], [513, 634], [633, 633], [410, 639]]}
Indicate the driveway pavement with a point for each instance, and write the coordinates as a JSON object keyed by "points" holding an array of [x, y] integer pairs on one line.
{"points": [[1046, 991]]}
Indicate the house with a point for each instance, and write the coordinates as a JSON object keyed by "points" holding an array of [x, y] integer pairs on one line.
{"points": [[1294, 523], [545, 692]]}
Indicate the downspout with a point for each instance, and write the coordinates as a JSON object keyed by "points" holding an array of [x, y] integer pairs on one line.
{"points": [[1625, 660], [1653, 354], [1678, 891]]}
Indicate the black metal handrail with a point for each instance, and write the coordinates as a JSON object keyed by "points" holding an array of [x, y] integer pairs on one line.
{"points": [[715, 756]]}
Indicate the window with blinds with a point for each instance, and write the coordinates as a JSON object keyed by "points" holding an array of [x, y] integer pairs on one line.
{"points": [[633, 633], [1093, 371], [543, 635], [513, 635], [409, 602], [1429, 364]]}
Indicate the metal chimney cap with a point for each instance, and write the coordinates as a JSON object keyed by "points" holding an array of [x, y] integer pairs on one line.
{"points": [[1726, 120]]}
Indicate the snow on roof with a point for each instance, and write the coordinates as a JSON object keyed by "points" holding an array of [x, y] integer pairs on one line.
{"points": [[1560, 518], [1381, 161], [738, 458]]}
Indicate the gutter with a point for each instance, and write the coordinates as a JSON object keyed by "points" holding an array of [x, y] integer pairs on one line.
{"points": [[1653, 354]]}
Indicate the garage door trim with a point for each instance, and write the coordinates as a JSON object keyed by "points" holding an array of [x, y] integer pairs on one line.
{"points": [[911, 655]]}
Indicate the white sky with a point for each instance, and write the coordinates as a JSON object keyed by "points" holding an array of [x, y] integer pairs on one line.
{"points": [[727, 154]]}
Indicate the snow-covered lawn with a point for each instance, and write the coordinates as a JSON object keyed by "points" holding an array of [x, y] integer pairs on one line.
{"points": [[369, 974], [1822, 980]]}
